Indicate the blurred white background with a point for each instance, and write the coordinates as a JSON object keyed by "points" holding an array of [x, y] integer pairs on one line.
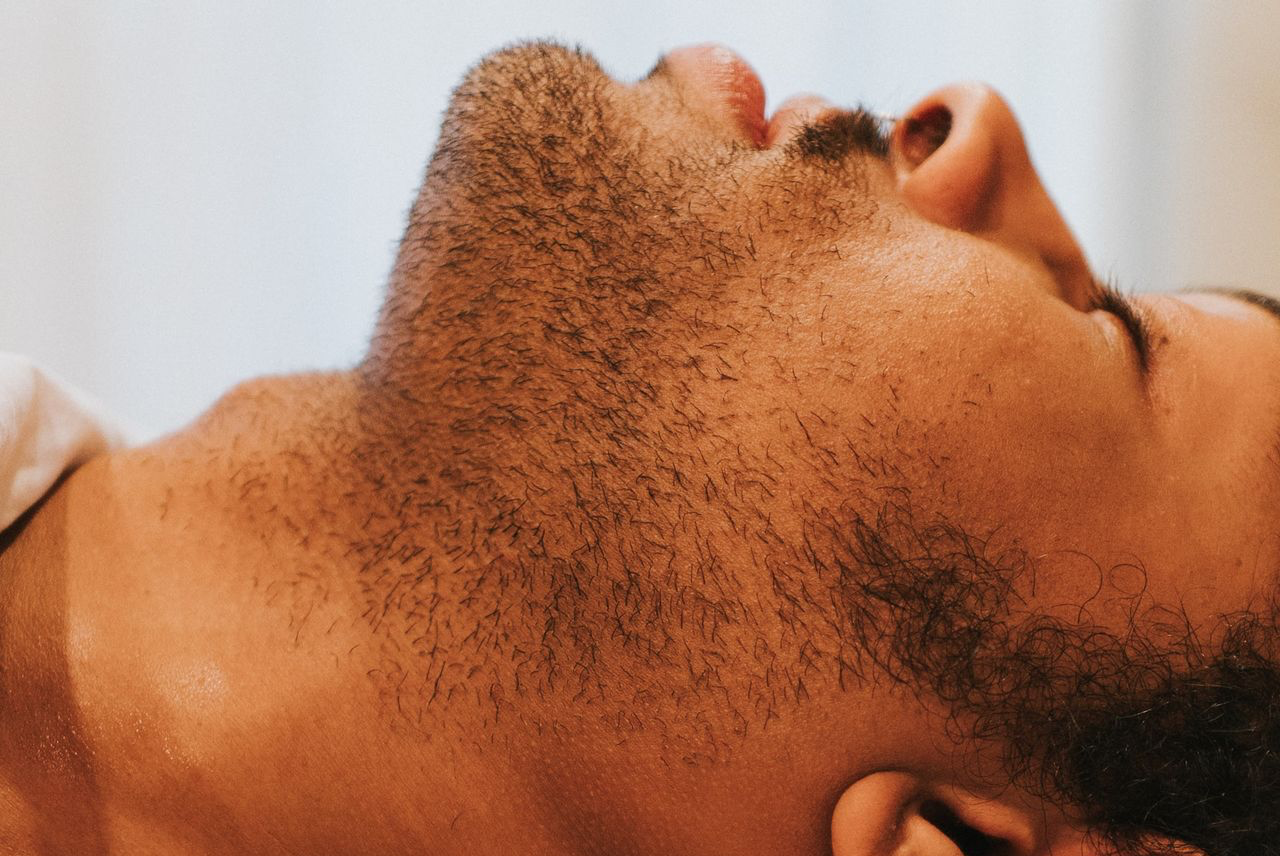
{"points": [[192, 193]]}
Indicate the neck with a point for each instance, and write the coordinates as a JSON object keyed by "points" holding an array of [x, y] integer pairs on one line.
{"points": [[44, 791], [212, 642], [185, 641]]}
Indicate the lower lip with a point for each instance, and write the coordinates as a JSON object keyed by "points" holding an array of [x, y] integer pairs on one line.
{"points": [[745, 95], [734, 81]]}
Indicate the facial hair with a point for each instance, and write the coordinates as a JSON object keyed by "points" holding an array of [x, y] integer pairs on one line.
{"points": [[546, 427]]}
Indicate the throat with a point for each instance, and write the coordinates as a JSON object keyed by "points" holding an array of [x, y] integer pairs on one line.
{"points": [[186, 658], [49, 789]]}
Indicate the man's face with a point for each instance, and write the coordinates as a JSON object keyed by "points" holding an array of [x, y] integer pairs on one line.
{"points": [[694, 352], [876, 321]]}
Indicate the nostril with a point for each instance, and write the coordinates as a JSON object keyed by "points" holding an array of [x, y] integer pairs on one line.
{"points": [[923, 133]]}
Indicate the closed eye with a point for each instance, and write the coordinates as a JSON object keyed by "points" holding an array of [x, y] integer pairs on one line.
{"points": [[1109, 298]]}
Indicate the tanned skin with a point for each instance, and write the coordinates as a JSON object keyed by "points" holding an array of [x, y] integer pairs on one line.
{"points": [[689, 484]]}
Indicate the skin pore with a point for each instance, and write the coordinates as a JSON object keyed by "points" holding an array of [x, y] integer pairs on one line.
{"points": [[707, 488]]}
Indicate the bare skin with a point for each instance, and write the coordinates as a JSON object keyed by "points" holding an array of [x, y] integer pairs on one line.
{"points": [[558, 568]]}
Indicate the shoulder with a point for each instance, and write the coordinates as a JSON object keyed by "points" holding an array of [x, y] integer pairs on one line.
{"points": [[47, 427]]}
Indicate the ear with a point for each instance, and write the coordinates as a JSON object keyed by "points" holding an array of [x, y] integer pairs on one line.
{"points": [[896, 814]]}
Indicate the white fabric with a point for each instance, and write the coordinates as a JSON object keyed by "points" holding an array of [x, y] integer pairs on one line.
{"points": [[46, 428]]}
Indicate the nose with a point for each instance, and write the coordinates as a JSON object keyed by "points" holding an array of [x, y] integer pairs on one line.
{"points": [[960, 160]]}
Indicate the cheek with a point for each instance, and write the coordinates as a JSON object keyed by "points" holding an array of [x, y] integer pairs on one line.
{"points": [[984, 399]]}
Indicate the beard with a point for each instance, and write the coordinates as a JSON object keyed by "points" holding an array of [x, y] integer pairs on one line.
{"points": [[543, 409], [1160, 731]]}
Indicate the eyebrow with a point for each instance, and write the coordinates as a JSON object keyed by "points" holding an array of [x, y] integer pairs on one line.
{"points": [[1266, 303], [1262, 301]]}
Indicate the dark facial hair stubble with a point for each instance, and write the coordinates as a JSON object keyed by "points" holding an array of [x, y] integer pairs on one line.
{"points": [[560, 459]]}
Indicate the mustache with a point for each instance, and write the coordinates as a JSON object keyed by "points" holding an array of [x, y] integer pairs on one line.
{"points": [[836, 136], [832, 138]]}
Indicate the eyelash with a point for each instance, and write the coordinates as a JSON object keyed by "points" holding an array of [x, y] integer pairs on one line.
{"points": [[1110, 298]]}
